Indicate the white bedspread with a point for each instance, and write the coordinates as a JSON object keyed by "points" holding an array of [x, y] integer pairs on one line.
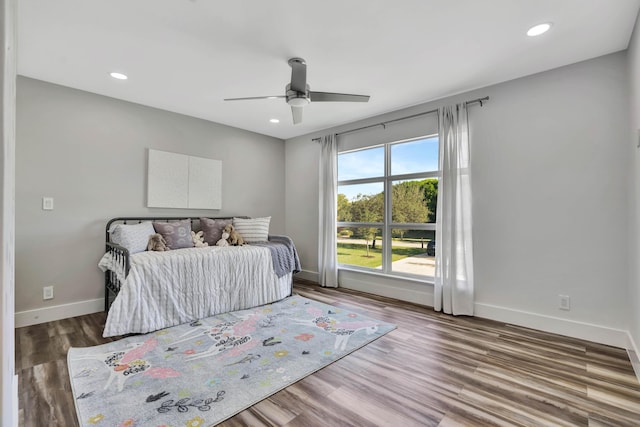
{"points": [[165, 289]]}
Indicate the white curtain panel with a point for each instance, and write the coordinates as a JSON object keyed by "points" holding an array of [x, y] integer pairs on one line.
{"points": [[453, 293], [327, 259]]}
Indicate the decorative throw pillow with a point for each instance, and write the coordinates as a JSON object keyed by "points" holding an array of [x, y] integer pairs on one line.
{"points": [[213, 229], [253, 230], [134, 237], [177, 234]]}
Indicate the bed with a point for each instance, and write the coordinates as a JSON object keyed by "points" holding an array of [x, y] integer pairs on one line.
{"points": [[146, 291]]}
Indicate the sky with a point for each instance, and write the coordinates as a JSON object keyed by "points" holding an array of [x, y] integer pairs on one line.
{"points": [[408, 157]]}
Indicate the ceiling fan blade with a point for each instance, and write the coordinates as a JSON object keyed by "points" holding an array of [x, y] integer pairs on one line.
{"points": [[298, 74], [297, 115], [336, 97], [255, 97]]}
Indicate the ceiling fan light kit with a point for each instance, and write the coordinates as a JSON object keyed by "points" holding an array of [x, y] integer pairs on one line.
{"points": [[297, 93], [297, 99]]}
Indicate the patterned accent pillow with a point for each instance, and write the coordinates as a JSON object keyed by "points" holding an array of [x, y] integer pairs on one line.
{"points": [[177, 234], [134, 237], [212, 229], [253, 230]]}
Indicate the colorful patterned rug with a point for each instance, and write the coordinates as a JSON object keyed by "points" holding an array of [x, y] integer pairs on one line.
{"points": [[202, 373]]}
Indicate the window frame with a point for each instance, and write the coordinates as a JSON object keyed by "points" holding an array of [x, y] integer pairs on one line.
{"points": [[387, 225]]}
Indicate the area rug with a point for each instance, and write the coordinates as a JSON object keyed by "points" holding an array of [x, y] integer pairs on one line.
{"points": [[202, 373]]}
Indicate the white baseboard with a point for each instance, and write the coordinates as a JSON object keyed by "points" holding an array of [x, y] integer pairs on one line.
{"points": [[631, 344], [571, 328], [16, 416], [313, 276], [634, 355], [423, 295], [57, 312]]}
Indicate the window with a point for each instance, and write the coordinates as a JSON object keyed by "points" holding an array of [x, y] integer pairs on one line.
{"points": [[387, 198]]}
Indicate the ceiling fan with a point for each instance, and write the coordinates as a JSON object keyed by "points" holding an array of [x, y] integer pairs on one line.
{"points": [[298, 95]]}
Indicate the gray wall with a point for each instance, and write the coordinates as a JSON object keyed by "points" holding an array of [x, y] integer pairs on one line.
{"points": [[89, 153], [550, 181], [634, 193]]}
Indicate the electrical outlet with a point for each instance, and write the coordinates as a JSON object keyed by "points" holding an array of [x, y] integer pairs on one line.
{"points": [[47, 292], [565, 302], [47, 203]]}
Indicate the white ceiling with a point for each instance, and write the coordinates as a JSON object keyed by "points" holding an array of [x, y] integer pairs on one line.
{"points": [[187, 55]]}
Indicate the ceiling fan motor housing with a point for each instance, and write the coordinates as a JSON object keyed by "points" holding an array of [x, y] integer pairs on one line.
{"points": [[297, 99]]}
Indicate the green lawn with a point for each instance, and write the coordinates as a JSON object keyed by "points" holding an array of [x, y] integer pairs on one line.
{"points": [[356, 254]]}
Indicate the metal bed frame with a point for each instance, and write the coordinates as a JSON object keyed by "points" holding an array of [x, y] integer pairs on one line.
{"points": [[121, 254]]}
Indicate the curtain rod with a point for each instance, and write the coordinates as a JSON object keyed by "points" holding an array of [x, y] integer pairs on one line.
{"points": [[383, 124]]}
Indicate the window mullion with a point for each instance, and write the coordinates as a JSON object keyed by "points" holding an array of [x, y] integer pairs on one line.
{"points": [[386, 246], [361, 181]]}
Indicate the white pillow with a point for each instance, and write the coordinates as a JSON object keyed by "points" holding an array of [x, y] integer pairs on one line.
{"points": [[253, 230], [134, 237]]}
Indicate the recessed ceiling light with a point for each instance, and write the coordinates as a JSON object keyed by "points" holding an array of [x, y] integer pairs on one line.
{"points": [[118, 76], [274, 121], [536, 30]]}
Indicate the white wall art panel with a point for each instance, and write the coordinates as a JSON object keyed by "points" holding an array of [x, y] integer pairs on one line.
{"points": [[168, 180], [205, 183], [181, 181]]}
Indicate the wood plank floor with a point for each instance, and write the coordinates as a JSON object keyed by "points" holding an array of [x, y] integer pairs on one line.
{"points": [[432, 370]]}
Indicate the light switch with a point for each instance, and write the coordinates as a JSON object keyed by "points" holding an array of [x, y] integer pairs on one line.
{"points": [[47, 203]]}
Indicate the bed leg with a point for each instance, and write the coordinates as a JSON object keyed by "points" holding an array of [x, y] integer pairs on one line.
{"points": [[106, 291]]}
